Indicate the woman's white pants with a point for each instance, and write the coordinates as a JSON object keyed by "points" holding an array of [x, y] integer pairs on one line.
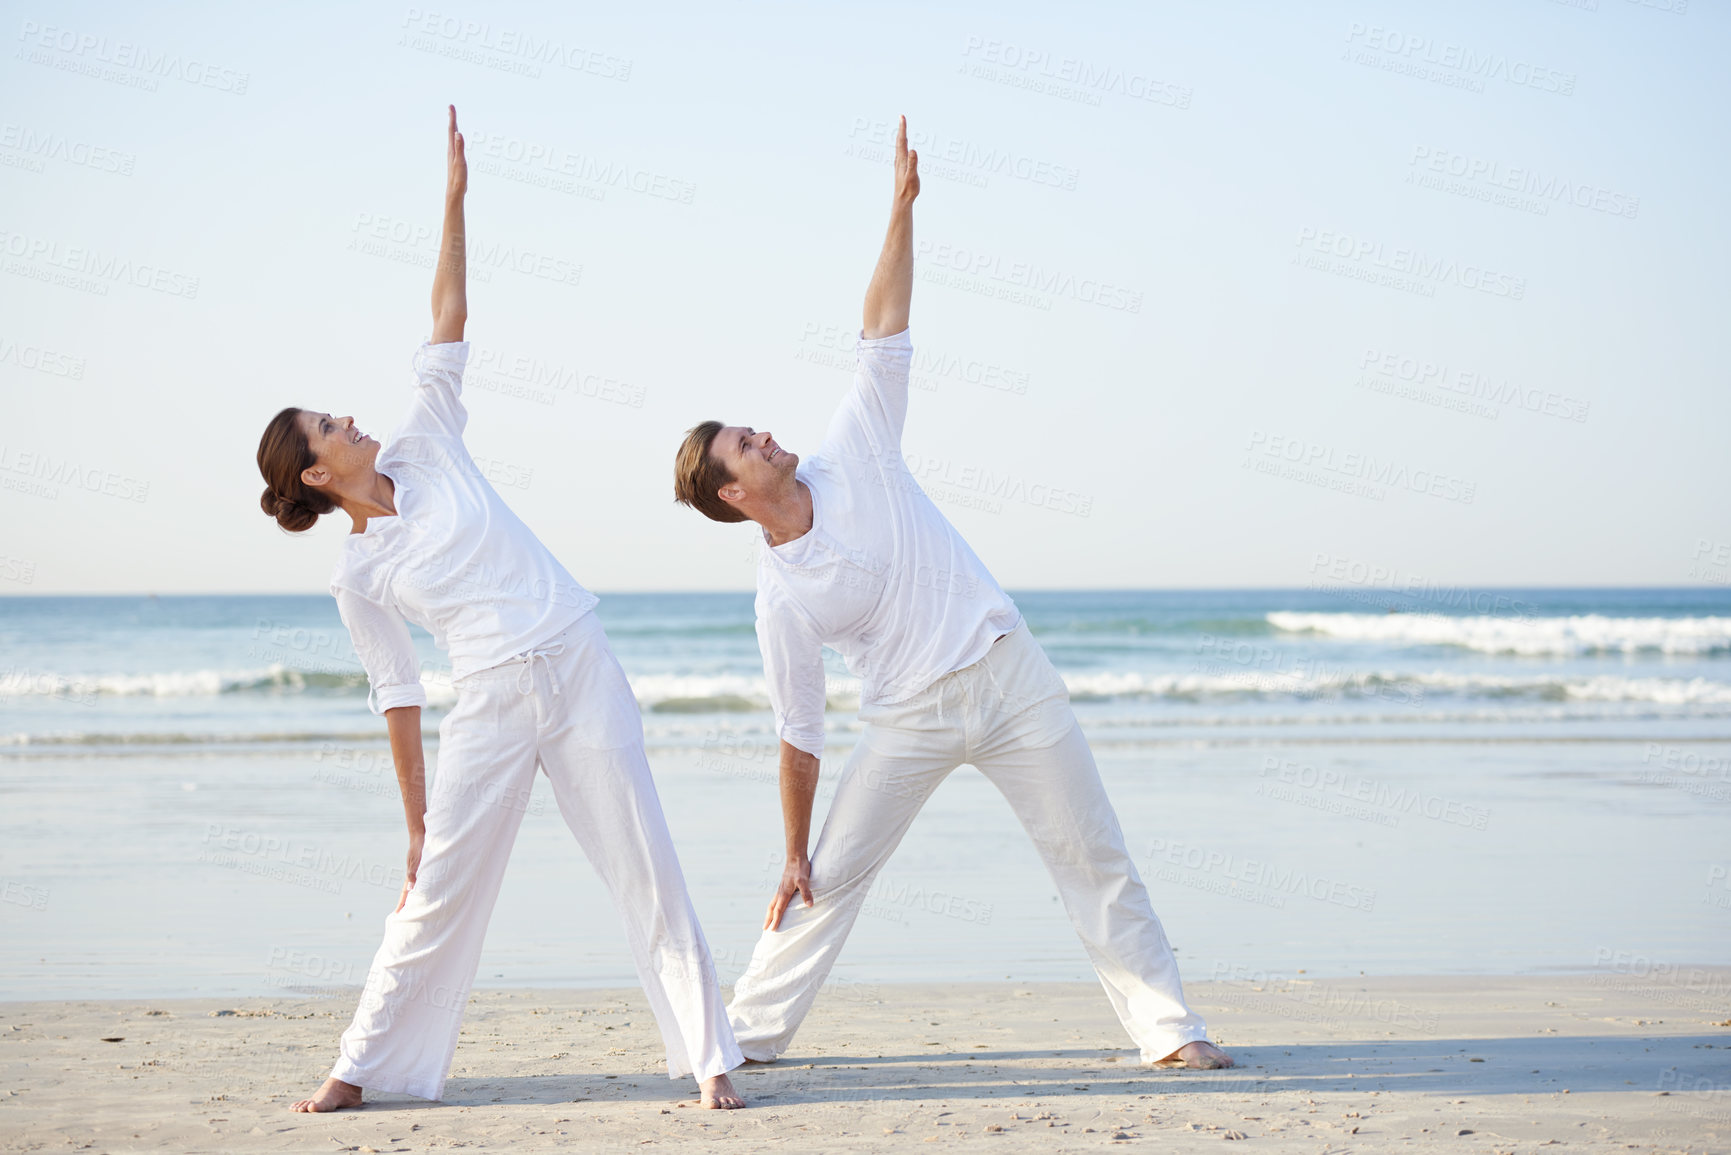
{"points": [[1009, 716], [567, 709]]}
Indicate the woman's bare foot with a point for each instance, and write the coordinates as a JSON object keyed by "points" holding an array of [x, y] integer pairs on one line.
{"points": [[1201, 1054], [335, 1095], [719, 1095]]}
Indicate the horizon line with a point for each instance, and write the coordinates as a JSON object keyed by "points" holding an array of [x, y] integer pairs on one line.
{"points": [[1391, 590]]}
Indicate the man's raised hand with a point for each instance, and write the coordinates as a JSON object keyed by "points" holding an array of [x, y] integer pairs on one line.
{"points": [[891, 291], [457, 176], [907, 167]]}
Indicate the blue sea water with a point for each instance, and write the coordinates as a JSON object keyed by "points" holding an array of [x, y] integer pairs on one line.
{"points": [[1141, 665], [195, 799]]}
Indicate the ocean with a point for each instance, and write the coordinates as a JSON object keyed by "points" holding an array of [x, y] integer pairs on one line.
{"points": [[1367, 776], [99, 672]]}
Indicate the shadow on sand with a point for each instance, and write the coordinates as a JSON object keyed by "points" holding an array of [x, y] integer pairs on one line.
{"points": [[1543, 1065]]}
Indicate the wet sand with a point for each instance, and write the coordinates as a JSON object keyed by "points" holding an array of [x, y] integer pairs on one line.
{"points": [[1612, 1060]]}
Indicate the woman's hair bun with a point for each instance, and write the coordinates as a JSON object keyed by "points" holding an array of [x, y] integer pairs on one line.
{"points": [[283, 455], [289, 513]]}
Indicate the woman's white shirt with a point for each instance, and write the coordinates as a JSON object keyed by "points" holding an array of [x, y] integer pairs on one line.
{"points": [[454, 560]]}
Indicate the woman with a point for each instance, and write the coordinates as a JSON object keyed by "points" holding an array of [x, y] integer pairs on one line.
{"points": [[537, 685]]}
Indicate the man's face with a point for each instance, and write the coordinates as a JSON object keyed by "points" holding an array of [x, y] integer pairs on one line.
{"points": [[757, 463]]}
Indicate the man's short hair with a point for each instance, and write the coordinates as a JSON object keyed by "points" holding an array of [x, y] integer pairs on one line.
{"points": [[698, 474]]}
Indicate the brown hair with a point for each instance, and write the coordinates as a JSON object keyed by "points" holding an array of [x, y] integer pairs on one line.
{"points": [[283, 453], [698, 475]]}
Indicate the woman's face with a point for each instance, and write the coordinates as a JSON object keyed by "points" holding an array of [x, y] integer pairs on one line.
{"points": [[341, 450]]}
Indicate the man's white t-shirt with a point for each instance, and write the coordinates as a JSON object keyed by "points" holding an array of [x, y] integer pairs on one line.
{"points": [[881, 577], [454, 560]]}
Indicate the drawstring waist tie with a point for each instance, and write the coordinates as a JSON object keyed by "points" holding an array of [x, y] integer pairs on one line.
{"points": [[526, 675]]}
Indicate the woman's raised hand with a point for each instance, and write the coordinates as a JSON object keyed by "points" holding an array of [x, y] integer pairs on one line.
{"points": [[451, 275], [457, 177], [907, 167]]}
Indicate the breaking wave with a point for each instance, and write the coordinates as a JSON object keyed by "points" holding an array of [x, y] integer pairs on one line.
{"points": [[1533, 637]]}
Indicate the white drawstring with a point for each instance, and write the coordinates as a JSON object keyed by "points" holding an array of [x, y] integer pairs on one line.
{"points": [[998, 696], [526, 676]]}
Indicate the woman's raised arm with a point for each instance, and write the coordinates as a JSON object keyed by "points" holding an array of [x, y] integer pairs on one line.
{"points": [[450, 278]]}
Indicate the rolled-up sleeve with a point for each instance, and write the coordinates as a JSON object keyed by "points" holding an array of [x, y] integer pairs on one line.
{"points": [[439, 387], [387, 652], [793, 669], [881, 382]]}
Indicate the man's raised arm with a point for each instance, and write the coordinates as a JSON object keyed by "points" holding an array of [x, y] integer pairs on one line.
{"points": [[892, 288]]}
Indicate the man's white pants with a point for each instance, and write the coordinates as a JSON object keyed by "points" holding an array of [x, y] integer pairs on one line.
{"points": [[1009, 716], [568, 709]]}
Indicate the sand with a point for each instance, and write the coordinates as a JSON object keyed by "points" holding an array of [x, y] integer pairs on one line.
{"points": [[1611, 1060]]}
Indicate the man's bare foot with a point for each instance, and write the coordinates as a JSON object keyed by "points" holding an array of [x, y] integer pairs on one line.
{"points": [[719, 1095], [1201, 1055], [335, 1095]]}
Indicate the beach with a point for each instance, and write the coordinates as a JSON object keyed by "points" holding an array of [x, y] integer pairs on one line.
{"points": [[1614, 1061], [1320, 398], [1382, 846]]}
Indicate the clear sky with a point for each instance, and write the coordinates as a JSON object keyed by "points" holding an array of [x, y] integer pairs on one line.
{"points": [[1210, 294]]}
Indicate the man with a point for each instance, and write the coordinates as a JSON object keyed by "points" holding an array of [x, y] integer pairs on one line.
{"points": [[858, 558]]}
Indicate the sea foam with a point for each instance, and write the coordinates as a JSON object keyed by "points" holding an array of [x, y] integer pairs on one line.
{"points": [[1537, 637]]}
